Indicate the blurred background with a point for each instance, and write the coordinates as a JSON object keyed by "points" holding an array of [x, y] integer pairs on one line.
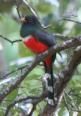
{"points": [[16, 55]]}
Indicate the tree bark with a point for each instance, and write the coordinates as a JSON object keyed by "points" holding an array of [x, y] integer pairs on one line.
{"points": [[63, 78]]}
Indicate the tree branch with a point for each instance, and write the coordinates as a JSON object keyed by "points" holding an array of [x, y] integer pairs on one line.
{"points": [[12, 42], [34, 100], [72, 20], [70, 102], [63, 78], [64, 37], [57, 48]]}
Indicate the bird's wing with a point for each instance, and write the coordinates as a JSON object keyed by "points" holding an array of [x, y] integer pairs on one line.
{"points": [[45, 38]]}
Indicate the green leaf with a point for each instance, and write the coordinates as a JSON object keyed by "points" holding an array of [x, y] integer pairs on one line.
{"points": [[11, 97], [44, 8]]}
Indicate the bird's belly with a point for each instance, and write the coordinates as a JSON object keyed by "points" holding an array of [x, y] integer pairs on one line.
{"points": [[37, 47], [34, 45]]}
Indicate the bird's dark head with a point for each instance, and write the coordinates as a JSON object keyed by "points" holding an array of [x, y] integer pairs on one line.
{"points": [[29, 25], [30, 20]]}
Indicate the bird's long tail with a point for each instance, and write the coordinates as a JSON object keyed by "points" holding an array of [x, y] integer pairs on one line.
{"points": [[48, 85], [49, 79]]}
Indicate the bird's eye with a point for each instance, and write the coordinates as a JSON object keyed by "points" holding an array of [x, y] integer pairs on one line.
{"points": [[30, 20]]}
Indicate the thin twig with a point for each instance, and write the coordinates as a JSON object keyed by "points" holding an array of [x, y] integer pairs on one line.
{"points": [[13, 71], [45, 27], [63, 37], [12, 42], [72, 20], [34, 100], [72, 105], [66, 103], [17, 8], [30, 8], [18, 3]]}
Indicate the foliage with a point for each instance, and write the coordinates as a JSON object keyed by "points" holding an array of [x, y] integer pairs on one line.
{"points": [[10, 28]]}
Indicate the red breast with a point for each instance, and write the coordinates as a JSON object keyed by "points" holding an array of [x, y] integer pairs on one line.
{"points": [[34, 45], [37, 47]]}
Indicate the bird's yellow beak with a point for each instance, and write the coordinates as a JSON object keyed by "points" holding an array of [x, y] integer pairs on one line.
{"points": [[23, 20]]}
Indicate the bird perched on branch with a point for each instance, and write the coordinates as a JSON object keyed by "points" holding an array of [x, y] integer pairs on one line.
{"points": [[37, 40]]}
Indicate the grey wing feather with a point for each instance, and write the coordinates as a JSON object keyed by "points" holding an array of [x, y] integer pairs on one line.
{"points": [[45, 38]]}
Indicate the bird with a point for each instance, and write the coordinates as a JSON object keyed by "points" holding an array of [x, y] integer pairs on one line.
{"points": [[38, 40]]}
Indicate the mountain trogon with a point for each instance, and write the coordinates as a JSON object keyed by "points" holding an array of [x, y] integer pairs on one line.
{"points": [[38, 40]]}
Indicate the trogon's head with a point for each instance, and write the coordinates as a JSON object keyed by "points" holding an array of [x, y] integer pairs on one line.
{"points": [[30, 20], [29, 24]]}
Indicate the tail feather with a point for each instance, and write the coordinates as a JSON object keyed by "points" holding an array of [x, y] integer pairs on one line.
{"points": [[49, 87]]}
